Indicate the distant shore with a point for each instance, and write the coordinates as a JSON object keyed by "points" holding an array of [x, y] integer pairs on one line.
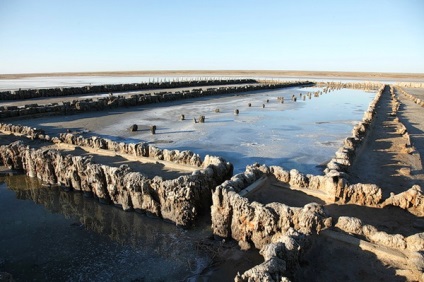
{"points": [[255, 73]]}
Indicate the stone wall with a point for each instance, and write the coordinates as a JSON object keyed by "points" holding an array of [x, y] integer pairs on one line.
{"points": [[411, 246], [416, 100], [279, 231], [179, 200], [345, 155], [111, 102], [134, 149], [23, 94]]}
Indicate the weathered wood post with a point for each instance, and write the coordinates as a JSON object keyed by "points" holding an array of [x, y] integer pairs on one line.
{"points": [[133, 127]]}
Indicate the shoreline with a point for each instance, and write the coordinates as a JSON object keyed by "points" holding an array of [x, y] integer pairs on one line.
{"points": [[271, 73]]}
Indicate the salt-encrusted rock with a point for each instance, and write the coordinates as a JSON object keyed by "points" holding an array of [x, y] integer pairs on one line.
{"points": [[395, 241], [417, 261], [415, 242], [298, 179], [329, 185], [362, 194], [268, 271], [286, 251], [351, 225], [412, 199], [233, 216], [281, 174], [179, 200]]}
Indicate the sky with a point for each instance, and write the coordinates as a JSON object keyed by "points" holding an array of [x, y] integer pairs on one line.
{"points": [[38, 36]]}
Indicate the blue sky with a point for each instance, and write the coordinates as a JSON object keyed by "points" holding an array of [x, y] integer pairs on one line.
{"points": [[83, 35]]}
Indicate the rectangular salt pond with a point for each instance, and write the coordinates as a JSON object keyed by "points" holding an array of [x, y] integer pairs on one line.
{"points": [[301, 135]]}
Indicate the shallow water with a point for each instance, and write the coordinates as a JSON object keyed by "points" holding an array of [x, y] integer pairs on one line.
{"points": [[301, 135], [79, 81], [47, 234]]}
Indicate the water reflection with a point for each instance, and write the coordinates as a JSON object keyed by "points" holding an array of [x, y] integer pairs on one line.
{"points": [[62, 236]]}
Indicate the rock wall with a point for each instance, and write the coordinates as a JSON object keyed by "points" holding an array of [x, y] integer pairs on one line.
{"points": [[27, 131], [179, 200], [281, 259], [134, 149], [332, 85], [255, 224], [333, 187], [411, 200], [345, 155], [23, 94], [416, 100], [412, 246], [111, 102], [279, 231]]}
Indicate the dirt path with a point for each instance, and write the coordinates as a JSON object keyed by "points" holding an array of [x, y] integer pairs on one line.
{"points": [[412, 116], [383, 159]]}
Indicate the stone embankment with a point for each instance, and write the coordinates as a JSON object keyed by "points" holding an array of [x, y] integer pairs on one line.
{"points": [[179, 200], [279, 231], [23, 94], [140, 150], [411, 247], [270, 227], [344, 156], [111, 102], [416, 100], [352, 85]]}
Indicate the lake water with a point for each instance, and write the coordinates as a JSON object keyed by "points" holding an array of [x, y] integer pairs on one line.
{"points": [[47, 234], [301, 135]]}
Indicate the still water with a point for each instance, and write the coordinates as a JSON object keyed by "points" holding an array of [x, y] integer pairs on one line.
{"points": [[304, 134], [47, 234]]}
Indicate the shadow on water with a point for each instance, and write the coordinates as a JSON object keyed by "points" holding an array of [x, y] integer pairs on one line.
{"points": [[48, 234]]}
